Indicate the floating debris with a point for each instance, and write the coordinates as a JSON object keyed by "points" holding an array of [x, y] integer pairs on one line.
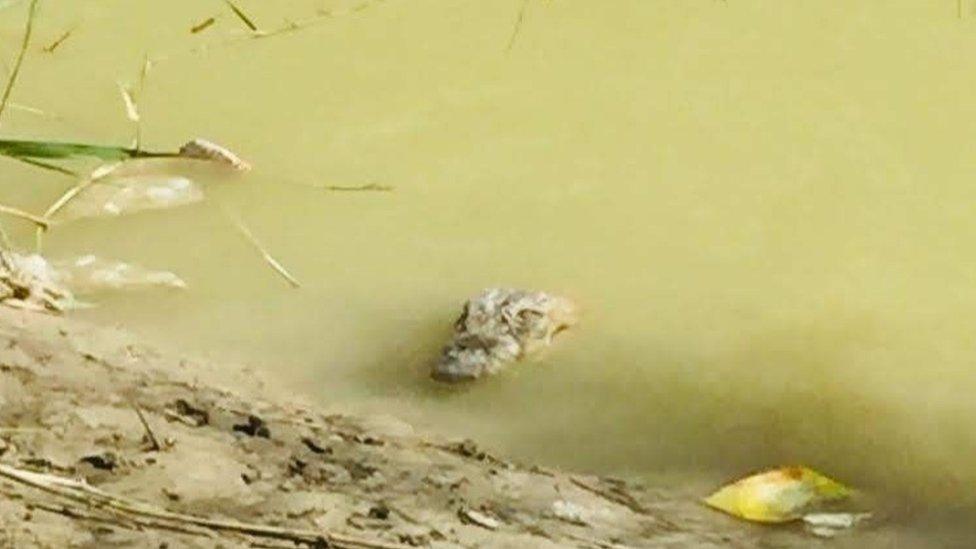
{"points": [[201, 149], [499, 327], [123, 195], [778, 495], [88, 273]]}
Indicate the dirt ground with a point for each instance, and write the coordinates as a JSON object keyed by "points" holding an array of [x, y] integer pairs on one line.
{"points": [[226, 459]]}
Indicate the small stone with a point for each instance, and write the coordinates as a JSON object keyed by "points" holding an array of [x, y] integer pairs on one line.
{"points": [[471, 516]]}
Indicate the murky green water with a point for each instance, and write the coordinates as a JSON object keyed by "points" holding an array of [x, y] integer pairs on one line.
{"points": [[764, 209]]}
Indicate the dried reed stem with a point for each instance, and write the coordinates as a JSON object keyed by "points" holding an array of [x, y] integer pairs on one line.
{"points": [[20, 56]]}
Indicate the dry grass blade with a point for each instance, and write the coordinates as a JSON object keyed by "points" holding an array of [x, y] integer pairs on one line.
{"points": [[150, 435], [131, 111], [268, 258], [322, 16], [147, 515], [31, 110], [28, 30], [58, 41], [70, 194], [143, 76], [242, 16], [41, 222], [370, 187]]}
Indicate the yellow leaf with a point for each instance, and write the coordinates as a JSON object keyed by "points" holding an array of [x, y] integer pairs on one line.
{"points": [[777, 495]]}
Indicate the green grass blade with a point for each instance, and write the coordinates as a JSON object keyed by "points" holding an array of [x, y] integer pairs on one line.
{"points": [[58, 150], [45, 165], [51, 149]]}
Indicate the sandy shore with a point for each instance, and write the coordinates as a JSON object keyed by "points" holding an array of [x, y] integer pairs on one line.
{"points": [[233, 461]]}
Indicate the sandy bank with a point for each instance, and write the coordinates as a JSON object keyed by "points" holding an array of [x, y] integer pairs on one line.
{"points": [[235, 448]]}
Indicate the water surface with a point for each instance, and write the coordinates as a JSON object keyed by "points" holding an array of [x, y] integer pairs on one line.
{"points": [[765, 212]]}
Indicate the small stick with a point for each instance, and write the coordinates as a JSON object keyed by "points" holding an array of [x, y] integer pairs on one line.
{"points": [[268, 258], [203, 25], [147, 515], [143, 75], [153, 441], [242, 16], [20, 56], [54, 45], [354, 188], [41, 222], [626, 500]]}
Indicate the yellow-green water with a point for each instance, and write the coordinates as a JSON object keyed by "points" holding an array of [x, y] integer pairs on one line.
{"points": [[765, 210]]}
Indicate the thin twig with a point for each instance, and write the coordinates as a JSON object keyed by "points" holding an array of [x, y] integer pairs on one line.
{"points": [[153, 441], [40, 221], [28, 30], [268, 258], [60, 40], [148, 515], [352, 188], [321, 17], [143, 75], [242, 16], [203, 25], [624, 499]]}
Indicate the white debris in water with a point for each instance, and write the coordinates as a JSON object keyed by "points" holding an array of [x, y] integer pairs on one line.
{"points": [[125, 195], [89, 273], [29, 281]]}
